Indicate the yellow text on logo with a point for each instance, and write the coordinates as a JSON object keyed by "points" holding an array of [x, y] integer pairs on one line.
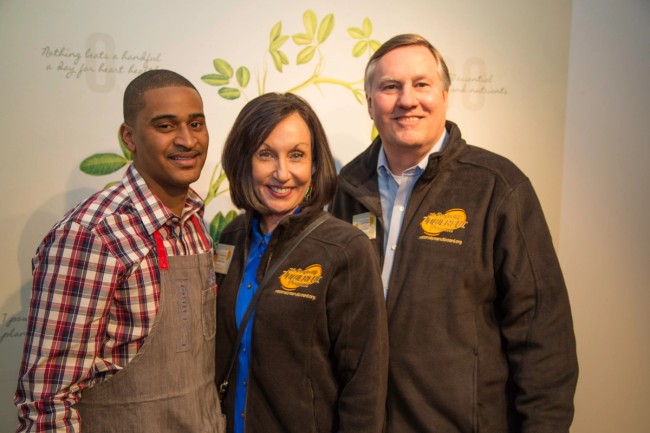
{"points": [[293, 278], [437, 222]]}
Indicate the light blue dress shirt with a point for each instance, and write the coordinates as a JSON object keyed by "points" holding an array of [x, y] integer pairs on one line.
{"points": [[394, 193]]}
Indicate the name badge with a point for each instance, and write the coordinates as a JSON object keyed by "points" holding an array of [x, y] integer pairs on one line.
{"points": [[367, 223], [222, 258]]}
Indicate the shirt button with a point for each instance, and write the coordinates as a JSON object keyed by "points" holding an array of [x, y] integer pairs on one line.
{"points": [[394, 247], [243, 415], [401, 208], [244, 383], [249, 286]]}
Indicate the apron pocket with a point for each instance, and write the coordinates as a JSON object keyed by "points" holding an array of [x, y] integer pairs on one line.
{"points": [[209, 313]]}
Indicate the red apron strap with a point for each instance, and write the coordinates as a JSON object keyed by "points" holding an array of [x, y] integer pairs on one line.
{"points": [[199, 230], [160, 248]]}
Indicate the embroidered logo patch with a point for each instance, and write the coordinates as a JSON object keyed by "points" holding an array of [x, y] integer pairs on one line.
{"points": [[436, 223], [294, 278]]}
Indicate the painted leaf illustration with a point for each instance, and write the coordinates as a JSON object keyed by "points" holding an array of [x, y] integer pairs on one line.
{"points": [[229, 93], [276, 31], [302, 39], [283, 58], [243, 76], [374, 45], [359, 48], [222, 67], [277, 59], [325, 28], [219, 222], [277, 43], [356, 33], [305, 55], [309, 20], [217, 225], [367, 27], [215, 79], [101, 164]]}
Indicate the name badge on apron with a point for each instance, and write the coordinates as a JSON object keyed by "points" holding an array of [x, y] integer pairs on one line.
{"points": [[367, 223], [222, 258]]}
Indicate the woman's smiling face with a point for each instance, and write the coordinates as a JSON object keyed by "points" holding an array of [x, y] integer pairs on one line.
{"points": [[282, 169]]}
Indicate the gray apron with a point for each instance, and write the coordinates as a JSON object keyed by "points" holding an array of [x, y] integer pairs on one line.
{"points": [[169, 385]]}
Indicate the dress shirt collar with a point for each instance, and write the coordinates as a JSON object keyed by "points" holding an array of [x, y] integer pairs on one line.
{"points": [[382, 161]]}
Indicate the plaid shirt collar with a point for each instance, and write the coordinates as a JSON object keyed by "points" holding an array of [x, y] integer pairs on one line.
{"points": [[153, 212]]}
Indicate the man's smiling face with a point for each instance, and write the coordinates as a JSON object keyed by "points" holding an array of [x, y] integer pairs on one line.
{"points": [[406, 100], [169, 139]]}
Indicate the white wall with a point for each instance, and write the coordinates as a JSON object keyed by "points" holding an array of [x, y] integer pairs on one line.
{"points": [[605, 216]]}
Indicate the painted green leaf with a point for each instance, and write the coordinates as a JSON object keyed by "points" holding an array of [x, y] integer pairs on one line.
{"points": [[367, 27], [243, 76], [277, 59], [374, 45], [305, 55], [302, 39], [229, 93], [276, 31], [309, 20], [101, 164], [219, 222], [222, 67], [359, 48], [356, 33], [276, 44], [283, 57], [215, 79], [325, 28], [217, 225]]}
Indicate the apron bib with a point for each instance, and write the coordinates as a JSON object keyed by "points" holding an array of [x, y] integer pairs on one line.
{"points": [[169, 385]]}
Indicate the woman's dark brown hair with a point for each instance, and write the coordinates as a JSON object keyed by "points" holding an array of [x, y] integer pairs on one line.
{"points": [[253, 125]]}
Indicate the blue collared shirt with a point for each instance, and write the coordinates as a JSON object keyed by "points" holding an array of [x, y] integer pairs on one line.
{"points": [[247, 290], [394, 192]]}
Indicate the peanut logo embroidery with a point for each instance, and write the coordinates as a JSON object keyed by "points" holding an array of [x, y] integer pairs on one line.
{"points": [[293, 278], [436, 223]]}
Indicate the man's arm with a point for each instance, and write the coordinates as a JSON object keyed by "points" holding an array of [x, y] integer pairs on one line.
{"points": [[535, 315], [73, 280]]}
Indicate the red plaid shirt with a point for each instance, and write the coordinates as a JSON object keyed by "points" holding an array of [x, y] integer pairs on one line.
{"points": [[95, 295]]}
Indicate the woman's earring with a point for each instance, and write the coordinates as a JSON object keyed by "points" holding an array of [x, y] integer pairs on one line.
{"points": [[309, 192]]}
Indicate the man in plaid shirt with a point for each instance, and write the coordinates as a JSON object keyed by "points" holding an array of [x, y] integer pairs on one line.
{"points": [[122, 322]]}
